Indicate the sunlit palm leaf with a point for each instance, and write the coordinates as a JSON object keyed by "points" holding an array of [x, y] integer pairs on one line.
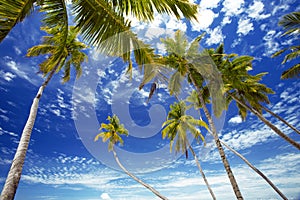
{"points": [[145, 10], [12, 12]]}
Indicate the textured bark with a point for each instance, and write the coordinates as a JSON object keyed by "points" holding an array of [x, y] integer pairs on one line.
{"points": [[269, 124], [137, 179], [256, 170], [230, 175], [202, 173], [14, 174], [281, 119]]}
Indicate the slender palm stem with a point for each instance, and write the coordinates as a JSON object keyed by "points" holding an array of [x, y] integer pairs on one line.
{"points": [[231, 177], [137, 179], [14, 174], [281, 119], [202, 173], [256, 170], [274, 128]]}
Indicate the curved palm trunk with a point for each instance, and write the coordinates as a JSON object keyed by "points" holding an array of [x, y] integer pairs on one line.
{"points": [[273, 127], [281, 119], [256, 170], [14, 174], [202, 173], [137, 179], [230, 175]]}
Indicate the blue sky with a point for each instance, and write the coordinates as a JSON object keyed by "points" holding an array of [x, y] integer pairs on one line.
{"points": [[64, 163]]}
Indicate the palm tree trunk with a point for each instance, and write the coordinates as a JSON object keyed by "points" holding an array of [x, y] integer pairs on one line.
{"points": [[202, 173], [137, 179], [256, 170], [230, 175], [273, 127], [281, 119], [14, 174]]}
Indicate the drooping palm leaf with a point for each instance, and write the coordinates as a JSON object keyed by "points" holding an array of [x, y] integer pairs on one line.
{"points": [[12, 12], [292, 72], [291, 23], [145, 10]]}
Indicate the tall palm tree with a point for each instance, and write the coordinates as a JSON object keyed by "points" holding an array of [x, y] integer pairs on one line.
{"points": [[194, 100], [291, 23], [186, 61], [256, 170], [245, 89], [176, 127], [70, 54], [112, 131]]}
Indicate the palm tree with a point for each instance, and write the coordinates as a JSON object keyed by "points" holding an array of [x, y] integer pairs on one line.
{"points": [[291, 23], [244, 88], [187, 62], [69, 55], [176, 127], [103, 23], [256, 170], [194, 100], [113, 129]]}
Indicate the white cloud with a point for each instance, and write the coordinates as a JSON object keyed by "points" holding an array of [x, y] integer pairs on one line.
{"points": [[175, 24], [205, 19], [232, 7], [216, 36], [226, 20], [235, 120], [270, 44], [105, 196], [209, 4], [244, 26], [8, 76], [255, 11], [23, 74]]}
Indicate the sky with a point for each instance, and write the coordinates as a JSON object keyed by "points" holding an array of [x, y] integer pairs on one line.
{"points": [[63, 161]]}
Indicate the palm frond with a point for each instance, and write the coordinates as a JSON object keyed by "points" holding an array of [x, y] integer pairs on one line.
{"points": [[293, 72], [13, 12], [290, 22], [144, 10], [175, 84], [291, 56]]}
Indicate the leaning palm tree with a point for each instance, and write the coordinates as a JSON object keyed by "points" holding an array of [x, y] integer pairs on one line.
{"points": [[113, 129], [291, 23], [245, 89], [194, 100], [61, 57], [256, 170], [185, 61], [176, 128]]}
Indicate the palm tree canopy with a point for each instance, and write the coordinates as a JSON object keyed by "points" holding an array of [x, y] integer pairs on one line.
{"points": [[70, 52], [101, 22], [177, 125], [291, 23], [239, 82], [113, 129]]}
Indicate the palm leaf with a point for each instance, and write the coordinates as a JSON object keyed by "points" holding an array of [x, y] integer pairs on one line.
{"points": [[175, 83], [292, 72], [145, 10], [13, 12]]}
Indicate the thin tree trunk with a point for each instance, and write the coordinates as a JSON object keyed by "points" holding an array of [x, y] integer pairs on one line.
{"points": [[273, 127], [256, 170], [137, 179], [14, 174], [281, 119], [230, 175], [202, 173]]}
